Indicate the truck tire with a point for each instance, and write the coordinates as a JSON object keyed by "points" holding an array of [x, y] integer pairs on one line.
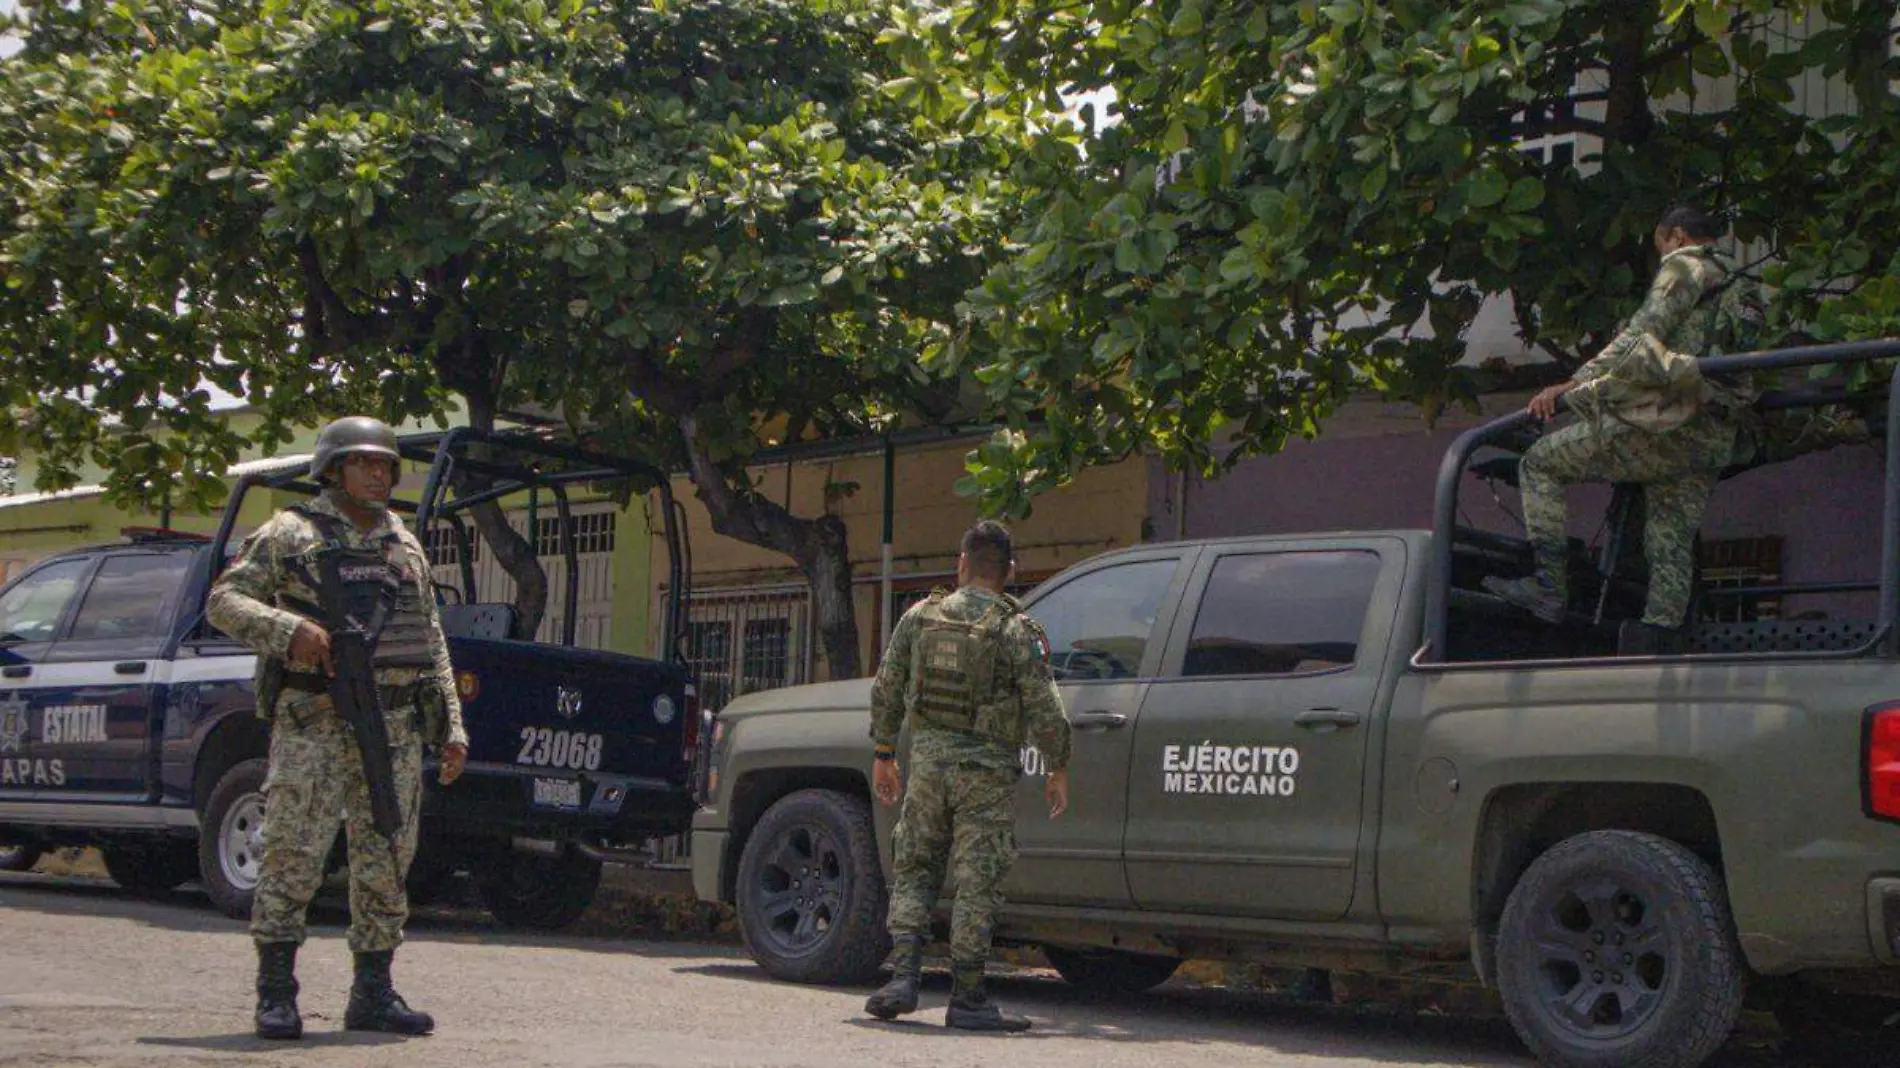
{"points": [[19, 857], [535, 893], [1829, 1027], [231, 838], [1110, 971], [811, 896], [149, 869], [1616, 950]]}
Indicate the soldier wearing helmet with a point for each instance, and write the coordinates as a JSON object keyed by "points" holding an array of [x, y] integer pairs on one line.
{"points": [[316, 776]]}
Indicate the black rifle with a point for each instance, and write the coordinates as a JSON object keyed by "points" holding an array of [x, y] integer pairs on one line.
{"points": [[352, 687]]}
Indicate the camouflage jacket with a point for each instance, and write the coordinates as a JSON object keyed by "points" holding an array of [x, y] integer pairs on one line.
{"points": [[247, 602], [1647, 376], [1045, 724]]}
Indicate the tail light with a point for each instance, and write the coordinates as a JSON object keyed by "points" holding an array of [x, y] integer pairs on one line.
{"points": [[689, 735], [1880, 752]]}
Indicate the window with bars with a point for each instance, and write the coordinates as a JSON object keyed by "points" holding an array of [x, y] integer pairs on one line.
{"points": [[709, 651], [742, 641], [765, 661], [593, 533], [445, 551], [1736, 563]]}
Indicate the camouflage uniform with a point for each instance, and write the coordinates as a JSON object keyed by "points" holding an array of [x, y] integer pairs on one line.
{"points": [[959, 809], [316, 773], [1649, 417]]}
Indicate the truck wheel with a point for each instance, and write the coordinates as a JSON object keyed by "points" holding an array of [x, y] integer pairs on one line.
{"points": [[1616, 951], [149, 868], [535, 893], [231, 838], [810, 894], [1835, 1028], [1111, 971], [19, 857]]}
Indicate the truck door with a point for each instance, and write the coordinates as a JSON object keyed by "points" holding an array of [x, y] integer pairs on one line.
{"points": [[1106, 636], [1246, 793], [32, 611], [101, 709]]}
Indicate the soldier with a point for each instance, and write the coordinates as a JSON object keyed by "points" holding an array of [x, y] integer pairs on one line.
{"points": [[316, 770], [972, 672], [1648, 417]]}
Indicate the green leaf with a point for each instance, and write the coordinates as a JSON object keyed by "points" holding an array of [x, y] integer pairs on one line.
{"points": [[796, 293], [1176, 139], [1711, 18], [1485, 188], [1526, 194], [1374, 183]]}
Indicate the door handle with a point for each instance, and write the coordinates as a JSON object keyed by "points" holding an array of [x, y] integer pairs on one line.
{"points": [[128, 667], [1104, 720], [16, 671], [1326, 719]]}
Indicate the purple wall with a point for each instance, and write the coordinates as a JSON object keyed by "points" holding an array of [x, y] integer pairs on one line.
{"points": [[1825, 506]]}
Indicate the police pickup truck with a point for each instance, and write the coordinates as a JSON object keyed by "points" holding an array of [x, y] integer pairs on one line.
{"points": [[128, 722], [1337, 751]]}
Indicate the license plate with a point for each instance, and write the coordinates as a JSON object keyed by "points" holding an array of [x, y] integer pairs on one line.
{"points": [[557, 793]]}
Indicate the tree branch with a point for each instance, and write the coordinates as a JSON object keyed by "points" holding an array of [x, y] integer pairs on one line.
{"points": [[330, 325]]}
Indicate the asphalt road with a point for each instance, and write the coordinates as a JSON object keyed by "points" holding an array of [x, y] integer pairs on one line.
{"points": [[92, 977]]}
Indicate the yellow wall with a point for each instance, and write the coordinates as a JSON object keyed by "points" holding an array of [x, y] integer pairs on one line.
{"points": [[1104, 508]]}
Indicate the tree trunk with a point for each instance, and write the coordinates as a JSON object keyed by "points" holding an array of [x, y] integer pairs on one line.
{"points": [[818, 546], [514, 553]]}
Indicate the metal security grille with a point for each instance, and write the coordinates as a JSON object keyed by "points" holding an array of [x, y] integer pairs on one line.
{"points": [[593, 533], [745, 640], [445, 551], [594, 526], [1736, 563]]}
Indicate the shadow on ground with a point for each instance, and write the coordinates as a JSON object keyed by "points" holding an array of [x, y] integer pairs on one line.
{"points": [[1177, 1012]]}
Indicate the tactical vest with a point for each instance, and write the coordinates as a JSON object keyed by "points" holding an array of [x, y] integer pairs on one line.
{"points": [[369, 576], [961, 672]]}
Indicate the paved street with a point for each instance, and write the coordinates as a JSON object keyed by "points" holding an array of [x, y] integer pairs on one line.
{"points": [[90, 976]]}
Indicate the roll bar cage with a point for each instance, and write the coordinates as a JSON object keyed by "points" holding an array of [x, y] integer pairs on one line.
{"points": [[501, 464], [1452, 470]]}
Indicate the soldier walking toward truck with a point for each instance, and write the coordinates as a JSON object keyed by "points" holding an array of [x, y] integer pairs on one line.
{"points": [[971, 672]]}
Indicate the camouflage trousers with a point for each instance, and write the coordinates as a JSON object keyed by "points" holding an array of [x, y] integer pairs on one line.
{"points": [[958, 819], [1677, 469], [315, 783]]}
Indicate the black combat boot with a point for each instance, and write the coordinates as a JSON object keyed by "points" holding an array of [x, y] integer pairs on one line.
{"points": [[374, 1003], [970, 1006], [899, 996], [277, 991]]}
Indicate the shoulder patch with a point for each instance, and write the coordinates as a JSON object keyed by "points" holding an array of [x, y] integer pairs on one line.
{"points": [[1038, 638]]}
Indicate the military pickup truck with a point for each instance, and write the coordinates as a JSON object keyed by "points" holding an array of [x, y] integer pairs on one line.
{"points": [[128, 722], [1337, 751]]}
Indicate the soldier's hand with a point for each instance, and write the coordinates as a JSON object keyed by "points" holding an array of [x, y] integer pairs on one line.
{"points": [[1056, 792], [886, 781], [310, 647], [1544, 405], [454, 759]]}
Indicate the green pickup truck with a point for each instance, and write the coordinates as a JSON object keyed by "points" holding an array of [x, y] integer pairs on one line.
{"points": [[1336, 751]]}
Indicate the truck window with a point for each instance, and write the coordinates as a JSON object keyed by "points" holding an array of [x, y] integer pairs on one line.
{"points": [[31, 610], [1099, 623], [1282, 613], [131, 597]]}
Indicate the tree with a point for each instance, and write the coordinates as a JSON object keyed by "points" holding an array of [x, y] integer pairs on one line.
{"points": [[691, 229], [1342, 186]]}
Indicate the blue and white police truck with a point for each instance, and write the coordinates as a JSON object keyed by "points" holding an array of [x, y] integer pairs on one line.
{"points": [[128, 723]]}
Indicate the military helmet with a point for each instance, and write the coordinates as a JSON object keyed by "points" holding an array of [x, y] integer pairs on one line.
{"points": [[351, 435]]}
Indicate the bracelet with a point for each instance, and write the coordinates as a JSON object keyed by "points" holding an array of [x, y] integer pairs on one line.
{"points": [[885, 754]]}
